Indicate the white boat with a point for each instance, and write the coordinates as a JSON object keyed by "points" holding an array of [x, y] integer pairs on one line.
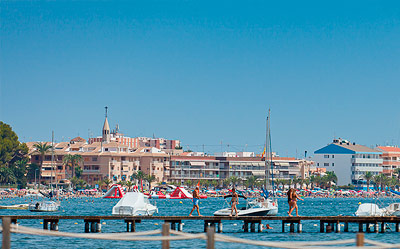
{"points": [[264, 207], [134, 204], [44, 206], [370, 209], [393, 209], [15, 207]]}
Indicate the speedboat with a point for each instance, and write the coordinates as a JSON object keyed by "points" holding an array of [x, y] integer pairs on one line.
{"points": [[369, 209], [393, 209], [134, 204], [258, 207], [44, 206]]}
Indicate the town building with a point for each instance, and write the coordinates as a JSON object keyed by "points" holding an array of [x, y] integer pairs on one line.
{"points": [[349, 161], [391, 159]]}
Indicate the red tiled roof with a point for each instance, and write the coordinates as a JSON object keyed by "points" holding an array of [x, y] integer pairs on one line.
{"points": [[389, 148]]}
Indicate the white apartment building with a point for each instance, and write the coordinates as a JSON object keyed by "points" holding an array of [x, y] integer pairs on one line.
{"points": [[349, 161]]}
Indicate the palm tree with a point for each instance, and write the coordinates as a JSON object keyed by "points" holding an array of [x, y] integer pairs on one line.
{"points": [[72, 161], [251, 182], [129, 184], [140, 176], [234, 180], [107, 182], [329, 178], [42, 149], [368, 176], [150, 179]]}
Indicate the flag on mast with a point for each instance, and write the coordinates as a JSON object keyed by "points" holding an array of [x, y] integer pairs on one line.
{"points": [[263, 154]]}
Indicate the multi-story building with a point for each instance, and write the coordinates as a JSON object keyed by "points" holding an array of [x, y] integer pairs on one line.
{"points": [[391, 159], [193, 168], [349, 161]]}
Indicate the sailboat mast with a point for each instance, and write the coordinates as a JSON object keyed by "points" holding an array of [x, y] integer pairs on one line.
{"points": [[52, 159], [267, 153]]}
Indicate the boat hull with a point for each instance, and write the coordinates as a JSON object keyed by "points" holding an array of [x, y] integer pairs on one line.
{"points": [[248, 212]]}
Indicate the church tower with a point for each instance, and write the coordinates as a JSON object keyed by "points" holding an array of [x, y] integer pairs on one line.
{"points": [[106, 130]]}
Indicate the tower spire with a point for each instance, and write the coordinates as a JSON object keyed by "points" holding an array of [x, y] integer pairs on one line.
{"points": [[106, 110]]}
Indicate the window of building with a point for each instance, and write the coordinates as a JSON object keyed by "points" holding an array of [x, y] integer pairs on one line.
{"points": [[317, 164], [326, 164], [333, 156], [94, 159], [333, 164], [326, 156]]}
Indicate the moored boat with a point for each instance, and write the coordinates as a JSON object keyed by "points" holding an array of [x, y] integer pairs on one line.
{"points": [[134, 204], [44, 206]]}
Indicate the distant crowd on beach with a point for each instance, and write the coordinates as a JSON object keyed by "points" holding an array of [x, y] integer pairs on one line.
{"points": [[11, 192]]}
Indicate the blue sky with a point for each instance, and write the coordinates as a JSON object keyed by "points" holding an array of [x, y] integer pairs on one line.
{"points": [[204, 71]]}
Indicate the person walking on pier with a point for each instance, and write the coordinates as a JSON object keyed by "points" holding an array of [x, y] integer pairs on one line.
{"points": [[292, 200], [196, 200], [234, 202]]}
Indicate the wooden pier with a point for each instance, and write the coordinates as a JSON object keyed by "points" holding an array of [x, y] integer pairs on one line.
{"points": [[250, 223]]}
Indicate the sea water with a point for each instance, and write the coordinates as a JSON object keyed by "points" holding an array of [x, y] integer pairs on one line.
{"points": [[98, 206]]}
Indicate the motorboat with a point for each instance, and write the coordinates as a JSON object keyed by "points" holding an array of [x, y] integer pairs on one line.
{"points": [[44, 206], [393, 209], [134, 204], [370, 209], [257, 207], [16, 207]]}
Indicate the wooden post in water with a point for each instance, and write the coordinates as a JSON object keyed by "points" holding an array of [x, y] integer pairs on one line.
{"points": [[211, 237], [291, 227], [383, 227], [346, 227], [133, 226], [321, 226], [397, 227], [6, 243], [87, 227], [253, 227], [220, 227], [360, 227], [283, 226], [299, 227], [165, 232], [360, 239]]}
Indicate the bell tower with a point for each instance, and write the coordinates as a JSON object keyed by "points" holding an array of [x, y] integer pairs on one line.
{"points": [[106, 129]]}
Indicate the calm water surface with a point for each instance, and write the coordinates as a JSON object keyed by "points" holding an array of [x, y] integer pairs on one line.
{"points": [[96, 206]]}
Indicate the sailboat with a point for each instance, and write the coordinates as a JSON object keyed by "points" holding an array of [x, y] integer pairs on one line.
{"points": [[265, 205], [44, 205], [268, 200]]}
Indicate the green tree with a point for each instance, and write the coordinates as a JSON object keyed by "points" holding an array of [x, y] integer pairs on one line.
{"points": [[329, 178], [368, 177], [42, 149], [32, 171], [251, 182], [129, 185], [11, 150], [150, 179], [139, 176], [13, 157], [19, 170], [78, 171], [107, 182], [72, 161], [234, 180]]}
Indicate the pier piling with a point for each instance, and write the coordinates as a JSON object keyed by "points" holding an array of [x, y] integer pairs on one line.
{"points": [[165, 232], [210, 237], [6, 242]]}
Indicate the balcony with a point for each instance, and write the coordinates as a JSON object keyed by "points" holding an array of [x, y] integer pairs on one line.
{"points": [[90, 171]]}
